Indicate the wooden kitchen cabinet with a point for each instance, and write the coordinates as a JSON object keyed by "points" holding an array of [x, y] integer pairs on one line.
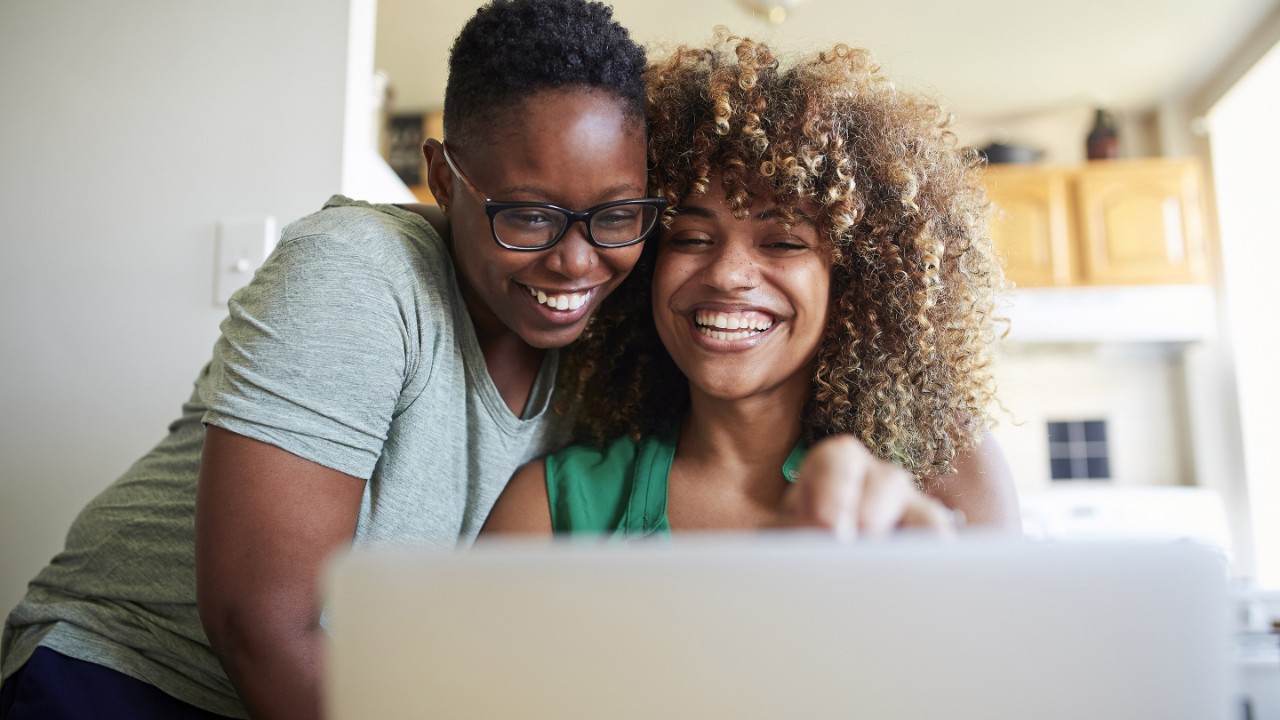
{"points": [[1030, 224], [1118, 222]]}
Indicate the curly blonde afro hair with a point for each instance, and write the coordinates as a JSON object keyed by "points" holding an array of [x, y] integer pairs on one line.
{"points": [[905, 362]]}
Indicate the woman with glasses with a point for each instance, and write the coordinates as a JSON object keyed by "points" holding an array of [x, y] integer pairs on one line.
{"points": [[375, 383], [807, 342]]}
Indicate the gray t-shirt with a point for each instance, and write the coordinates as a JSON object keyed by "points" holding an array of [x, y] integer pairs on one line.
{"points": [[351, 348]]}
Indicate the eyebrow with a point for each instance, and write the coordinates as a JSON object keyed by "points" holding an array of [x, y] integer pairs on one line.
{"points": [[631, 190], [695, 211], [709, 214]]}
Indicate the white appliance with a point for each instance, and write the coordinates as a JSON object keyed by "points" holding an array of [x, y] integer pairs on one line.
{"points": [[1084, 510]]}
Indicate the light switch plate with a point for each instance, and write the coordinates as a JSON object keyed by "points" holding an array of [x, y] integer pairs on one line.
{"points": [[242, 246]]}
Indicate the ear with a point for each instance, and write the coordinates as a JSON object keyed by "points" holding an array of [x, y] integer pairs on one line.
{"points": [[439, 176]]}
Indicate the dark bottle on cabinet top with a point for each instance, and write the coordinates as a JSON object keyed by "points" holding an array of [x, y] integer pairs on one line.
{"points": [[1103, 141]]}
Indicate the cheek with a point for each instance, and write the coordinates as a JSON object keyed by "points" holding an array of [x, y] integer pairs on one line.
{"points": [[470, 239], [667, 277], [467, 261], [660, 295], [817, 298], [623, 260], [491, 267], [822, 293], [470, 228]]}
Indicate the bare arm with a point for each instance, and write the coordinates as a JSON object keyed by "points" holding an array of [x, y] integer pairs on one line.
{"points": [[981, 488], [523, 508], [266, 522], [844, 485], [846, 490]]}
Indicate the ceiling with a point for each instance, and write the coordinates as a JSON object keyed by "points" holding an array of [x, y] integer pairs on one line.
{"points": [[986, 59]]}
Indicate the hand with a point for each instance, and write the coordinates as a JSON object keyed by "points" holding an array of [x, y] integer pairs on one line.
{"points": [[843, 488]]}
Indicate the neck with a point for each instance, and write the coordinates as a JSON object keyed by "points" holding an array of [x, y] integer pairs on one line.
{"points": [[726, 473], [513, 364], [751, 435]]}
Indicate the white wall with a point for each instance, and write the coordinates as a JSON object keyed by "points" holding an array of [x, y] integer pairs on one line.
{"points": [[1058, 133], [1246, 151], [1135, 387], [127, 128]]}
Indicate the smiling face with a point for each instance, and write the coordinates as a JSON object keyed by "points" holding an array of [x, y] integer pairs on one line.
{"points": [[573, 148], [741, 304]]}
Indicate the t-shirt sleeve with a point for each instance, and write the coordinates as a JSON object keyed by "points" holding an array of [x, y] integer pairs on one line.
{"points": [[315, 353], [588, 488]]}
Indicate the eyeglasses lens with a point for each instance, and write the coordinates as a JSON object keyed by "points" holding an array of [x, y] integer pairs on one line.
{"points": [[621, 224], [537, 227], [528, 227]]}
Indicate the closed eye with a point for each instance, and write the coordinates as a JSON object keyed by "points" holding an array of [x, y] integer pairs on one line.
{"points": [[688, 241], [788, 244], [530, 218], [617, 217]]}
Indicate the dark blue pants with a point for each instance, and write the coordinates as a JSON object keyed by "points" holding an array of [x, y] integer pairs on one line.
{"points": [[52, 686]]}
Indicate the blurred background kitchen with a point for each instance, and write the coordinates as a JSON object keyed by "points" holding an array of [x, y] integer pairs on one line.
{"points": [[149, 151], [1126, 376]]}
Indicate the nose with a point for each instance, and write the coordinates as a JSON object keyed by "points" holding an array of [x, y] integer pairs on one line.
{"points": [[574, 255], [732, 267]]}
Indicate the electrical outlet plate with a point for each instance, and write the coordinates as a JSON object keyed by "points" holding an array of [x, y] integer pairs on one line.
{"points": [[243, 244]]}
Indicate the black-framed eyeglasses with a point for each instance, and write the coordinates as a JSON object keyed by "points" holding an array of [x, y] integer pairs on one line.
{"points": [[537, 226]]}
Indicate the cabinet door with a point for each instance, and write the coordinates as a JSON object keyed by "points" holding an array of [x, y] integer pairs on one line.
{"points": [[1029, 224], [1140, 222]]}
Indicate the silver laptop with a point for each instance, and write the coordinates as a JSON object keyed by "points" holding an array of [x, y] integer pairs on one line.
{"points": [[780, 626]]}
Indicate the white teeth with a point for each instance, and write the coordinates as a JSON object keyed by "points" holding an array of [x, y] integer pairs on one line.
{"points": [[564, 301], [753, 321], [722, 335]]}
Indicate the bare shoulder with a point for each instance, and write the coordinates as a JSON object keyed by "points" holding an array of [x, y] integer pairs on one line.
{"points": [[523, 508], [981, 488]]}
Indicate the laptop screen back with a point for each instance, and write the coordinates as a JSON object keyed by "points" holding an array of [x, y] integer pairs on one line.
{"points": [[780, 627]]}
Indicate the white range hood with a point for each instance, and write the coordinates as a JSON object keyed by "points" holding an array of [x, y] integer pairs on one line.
{"points": [[1149, 313]]}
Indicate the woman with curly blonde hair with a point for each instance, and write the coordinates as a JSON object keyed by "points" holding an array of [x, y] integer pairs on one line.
{"points": [[824, 285]]}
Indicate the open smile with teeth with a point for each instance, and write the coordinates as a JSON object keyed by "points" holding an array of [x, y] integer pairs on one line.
{"points": [[731, 325], [562, 301]]}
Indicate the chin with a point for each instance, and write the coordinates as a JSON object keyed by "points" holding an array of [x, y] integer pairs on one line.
{"points": [[725, 387], [553, 339]]}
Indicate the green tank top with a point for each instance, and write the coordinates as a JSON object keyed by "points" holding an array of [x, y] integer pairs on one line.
{"points": [[619, 489]]}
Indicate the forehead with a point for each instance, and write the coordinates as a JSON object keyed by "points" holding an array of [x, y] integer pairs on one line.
{"points": [[572, 147], [758, 193], [551, 115], [758, 206]]}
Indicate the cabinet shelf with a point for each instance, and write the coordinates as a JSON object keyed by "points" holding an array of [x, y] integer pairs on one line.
{"points": [[1120, 222]]}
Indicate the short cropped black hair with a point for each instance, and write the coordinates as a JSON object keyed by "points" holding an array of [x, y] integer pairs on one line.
{"points": [[511, 49]]}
